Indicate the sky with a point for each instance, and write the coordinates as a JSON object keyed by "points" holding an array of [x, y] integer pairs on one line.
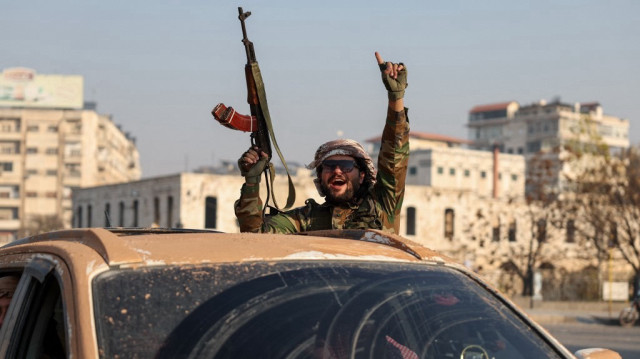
{"points": [[159, 67]]}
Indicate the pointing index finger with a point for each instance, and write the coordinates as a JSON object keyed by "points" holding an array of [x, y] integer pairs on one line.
{"points": [[379, 58]]}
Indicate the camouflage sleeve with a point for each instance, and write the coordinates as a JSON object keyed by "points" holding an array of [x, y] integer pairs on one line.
{"points": [[249, 213], [392, 166]]}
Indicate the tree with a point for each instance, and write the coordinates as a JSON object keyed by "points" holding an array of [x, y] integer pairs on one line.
{"points": [[542, 196], [41, 224], [607, 197]]}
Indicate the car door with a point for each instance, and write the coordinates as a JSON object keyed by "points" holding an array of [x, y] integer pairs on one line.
{"points": [[34, 326]]}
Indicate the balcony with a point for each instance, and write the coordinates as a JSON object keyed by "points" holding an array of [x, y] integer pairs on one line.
{"points": [[9, 224]]}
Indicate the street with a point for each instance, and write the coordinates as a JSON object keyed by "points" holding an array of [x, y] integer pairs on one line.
{"points": [[574, 336]]}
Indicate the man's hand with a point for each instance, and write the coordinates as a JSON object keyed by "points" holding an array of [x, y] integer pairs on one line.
{"points": [[252, 165], [394, 78]]}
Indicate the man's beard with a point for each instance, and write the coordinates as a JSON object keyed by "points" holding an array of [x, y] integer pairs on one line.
{"points": [[353, 187]]}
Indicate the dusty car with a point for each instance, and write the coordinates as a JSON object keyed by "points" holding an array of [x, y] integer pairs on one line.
{"points": [[132, 293]]}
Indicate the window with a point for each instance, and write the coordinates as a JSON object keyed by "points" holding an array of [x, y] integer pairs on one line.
{"points": [[413, 171], [571, 231], [32, 128], [107, 215], [9, 191], [10, 124], [52, 128], [52, 151], [79, 216], [73, 149], [31, 194], [32, 150], [135, 213], [170, 211], [6, 166], [512, 231], [440, 170], [52, 172], [121, 214], [495, 230], [613, 235], [40, 309], [390, 301], [449, 218], [8, 213], [514, 177], [73, 169], [452, 171], [542, 230], [467, 173], [156, 211], [533, 147], [9, 147], [89, 214], [210, 212], [32, 172], [411, 221], [483, 174]]}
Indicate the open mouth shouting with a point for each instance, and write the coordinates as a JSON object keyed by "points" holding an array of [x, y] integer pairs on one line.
{"points": [[337, 184]]}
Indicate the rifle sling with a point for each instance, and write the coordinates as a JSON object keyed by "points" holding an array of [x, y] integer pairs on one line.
{"points": [[262, 98]]}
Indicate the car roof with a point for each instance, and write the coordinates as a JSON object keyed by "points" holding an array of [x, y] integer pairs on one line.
{"points": [[134, 246]]}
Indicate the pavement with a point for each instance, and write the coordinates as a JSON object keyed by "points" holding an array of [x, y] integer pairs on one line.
{"points": [[545, 312], [547, 316]]}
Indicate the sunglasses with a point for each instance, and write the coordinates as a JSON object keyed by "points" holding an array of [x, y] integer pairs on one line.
{"points": [[345, 166]]}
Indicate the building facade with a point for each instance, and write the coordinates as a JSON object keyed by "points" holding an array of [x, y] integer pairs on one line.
{"points": [[50, 143], [490, 235], [545, 132], [184, 200], [446, 163], [543, 126]]}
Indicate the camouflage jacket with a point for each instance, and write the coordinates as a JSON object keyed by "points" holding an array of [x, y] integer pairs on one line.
{"points": [[379, 208]]}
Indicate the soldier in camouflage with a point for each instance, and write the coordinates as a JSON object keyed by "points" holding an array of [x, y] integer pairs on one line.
{"points": [[356, 197]]}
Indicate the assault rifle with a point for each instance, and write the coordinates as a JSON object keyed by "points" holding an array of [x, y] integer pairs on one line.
{"points": [[259, 122]]}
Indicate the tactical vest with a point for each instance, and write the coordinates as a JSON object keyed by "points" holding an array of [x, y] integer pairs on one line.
{"points": [[366, 215]]}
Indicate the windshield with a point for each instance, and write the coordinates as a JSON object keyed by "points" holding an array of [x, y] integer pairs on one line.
{"points": [[306, 310]]}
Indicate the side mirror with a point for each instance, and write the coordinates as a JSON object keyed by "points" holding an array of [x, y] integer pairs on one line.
{"points": [[597, 353]]}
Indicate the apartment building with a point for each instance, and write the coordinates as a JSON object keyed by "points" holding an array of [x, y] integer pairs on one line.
{"points": [[543, 131], [543, 126], [50, 143]]}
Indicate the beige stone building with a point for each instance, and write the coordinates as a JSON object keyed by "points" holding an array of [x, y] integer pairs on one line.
{"points": [[444, 162], [51, 143], [184, 200], [483, 232]]}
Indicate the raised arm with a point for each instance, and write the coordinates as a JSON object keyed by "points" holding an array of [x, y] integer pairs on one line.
{"points": [[394, 147]]}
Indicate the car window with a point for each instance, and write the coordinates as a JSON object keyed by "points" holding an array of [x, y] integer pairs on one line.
{"points": [[306, 310], [8, 286], [36, 319]]}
